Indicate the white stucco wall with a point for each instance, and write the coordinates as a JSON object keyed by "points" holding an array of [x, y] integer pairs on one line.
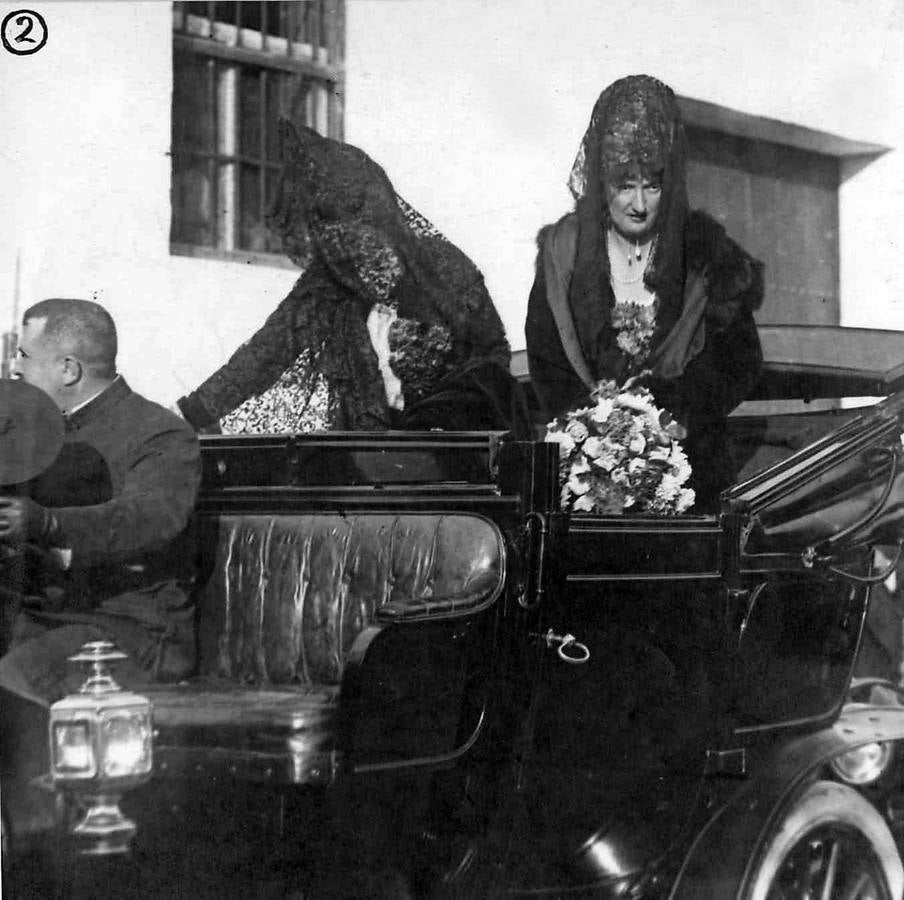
{"points": [[475, 108], [84, 161]]}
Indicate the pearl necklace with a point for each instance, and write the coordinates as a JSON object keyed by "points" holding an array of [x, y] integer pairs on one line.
{"points": [[638, 253]]}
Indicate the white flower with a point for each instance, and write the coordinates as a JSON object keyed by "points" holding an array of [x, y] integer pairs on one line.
{"points": [[577, 430], [660, 453], [679, 461], [578, 486], [566, 444], [601, 412], [668, 488], [686, 500], [607, 461], [637, 444], [584, 503], [593, 447]]}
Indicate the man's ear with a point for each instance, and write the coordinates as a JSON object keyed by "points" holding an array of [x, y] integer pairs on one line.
{"points": [[72, 371]]}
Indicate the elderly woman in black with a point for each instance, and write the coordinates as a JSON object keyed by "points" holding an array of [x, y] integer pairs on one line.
{"points": [[634, 285]]}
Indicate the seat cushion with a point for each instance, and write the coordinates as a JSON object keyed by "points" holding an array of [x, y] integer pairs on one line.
{"points": [[288, 594]]}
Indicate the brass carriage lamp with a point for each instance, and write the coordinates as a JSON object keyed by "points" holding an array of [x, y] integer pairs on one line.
{"points": [[101, 746]]}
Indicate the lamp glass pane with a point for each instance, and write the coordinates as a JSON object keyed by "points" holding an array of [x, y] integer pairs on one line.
{"points": [[126, 743], [72, 750]]}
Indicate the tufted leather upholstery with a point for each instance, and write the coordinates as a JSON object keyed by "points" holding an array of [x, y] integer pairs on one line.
{"points": [[288, 594]]}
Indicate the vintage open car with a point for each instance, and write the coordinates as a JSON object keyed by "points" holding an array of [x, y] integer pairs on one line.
{"points": [[418, 677]]}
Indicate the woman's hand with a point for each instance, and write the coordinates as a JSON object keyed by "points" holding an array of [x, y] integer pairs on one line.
{"points": [[636, 380]]}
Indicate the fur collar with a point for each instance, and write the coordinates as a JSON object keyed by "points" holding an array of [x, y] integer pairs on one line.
{"points": [[734, 279]]}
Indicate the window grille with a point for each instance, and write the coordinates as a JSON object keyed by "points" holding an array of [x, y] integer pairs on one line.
{"points": [[237, 67]]}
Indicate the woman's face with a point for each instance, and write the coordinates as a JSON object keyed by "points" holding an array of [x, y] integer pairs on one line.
{"points": [[633, 201]]}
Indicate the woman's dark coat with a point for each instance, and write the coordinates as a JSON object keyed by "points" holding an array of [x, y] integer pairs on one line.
{"points": [[700, 377]]}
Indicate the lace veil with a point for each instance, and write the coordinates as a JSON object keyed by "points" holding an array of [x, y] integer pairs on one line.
{"points": [[635, 125], [361, 244]]}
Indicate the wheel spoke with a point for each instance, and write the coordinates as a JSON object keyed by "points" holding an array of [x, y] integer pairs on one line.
{"points": [[861, 888], [828, 884]]}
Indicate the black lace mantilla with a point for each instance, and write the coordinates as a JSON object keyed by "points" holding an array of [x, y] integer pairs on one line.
{"points": [[360, 244]]}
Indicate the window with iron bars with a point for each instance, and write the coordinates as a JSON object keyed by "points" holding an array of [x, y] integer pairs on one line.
{"points": [[237, 67]]}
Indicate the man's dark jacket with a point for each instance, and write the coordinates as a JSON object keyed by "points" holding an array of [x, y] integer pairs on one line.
{"points": [[132, 556]]}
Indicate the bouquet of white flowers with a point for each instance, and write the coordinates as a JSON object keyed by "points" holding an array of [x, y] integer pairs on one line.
{"points": [[622, 454]]}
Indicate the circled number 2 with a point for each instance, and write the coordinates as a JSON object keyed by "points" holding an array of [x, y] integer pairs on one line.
{"points": [[23, 32]]}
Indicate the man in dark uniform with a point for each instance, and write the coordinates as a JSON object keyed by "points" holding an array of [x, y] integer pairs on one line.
{"points": [[118, 568]]}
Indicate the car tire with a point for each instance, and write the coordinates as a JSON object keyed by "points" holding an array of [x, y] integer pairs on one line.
{"points": [[831, 843]]}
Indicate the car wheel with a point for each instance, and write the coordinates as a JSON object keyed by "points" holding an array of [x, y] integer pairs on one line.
{"points": [[831, 844]]}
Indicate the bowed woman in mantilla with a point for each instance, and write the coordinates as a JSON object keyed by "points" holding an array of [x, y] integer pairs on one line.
{"points": [[390, 325], [635, 288]]}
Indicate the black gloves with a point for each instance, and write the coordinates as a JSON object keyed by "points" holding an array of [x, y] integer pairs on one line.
{"points": [[24, 521]]}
